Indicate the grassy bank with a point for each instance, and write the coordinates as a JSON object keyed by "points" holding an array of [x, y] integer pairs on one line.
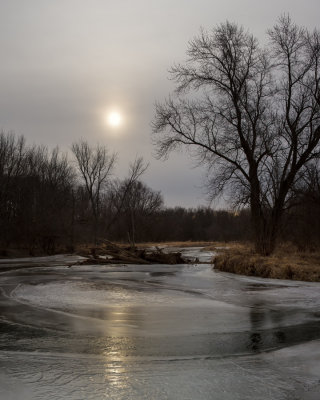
{"points": [[286, 263]]}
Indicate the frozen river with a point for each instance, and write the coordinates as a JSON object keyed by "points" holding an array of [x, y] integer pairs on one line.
{"points": [[154, 332]]}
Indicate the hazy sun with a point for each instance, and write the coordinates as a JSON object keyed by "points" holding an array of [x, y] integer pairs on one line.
{"points": [[114, 118]]}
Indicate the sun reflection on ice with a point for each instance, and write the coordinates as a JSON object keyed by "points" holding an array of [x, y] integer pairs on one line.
{"points": [[116, 376]]}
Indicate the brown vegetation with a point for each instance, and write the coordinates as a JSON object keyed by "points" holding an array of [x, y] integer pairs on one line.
{"points": [[286, 263]]}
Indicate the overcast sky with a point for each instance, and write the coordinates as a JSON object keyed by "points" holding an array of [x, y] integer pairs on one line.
{"points": [[66, 63]]}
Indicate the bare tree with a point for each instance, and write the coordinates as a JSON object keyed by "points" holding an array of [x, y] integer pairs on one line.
{"points": [[309, 187], [138, 202], [118, 196], [55, 198], [12, 164], [252, 115], [95, 166]]}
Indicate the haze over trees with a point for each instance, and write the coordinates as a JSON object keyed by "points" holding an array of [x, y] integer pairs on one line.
{"points": [[251, 115]]}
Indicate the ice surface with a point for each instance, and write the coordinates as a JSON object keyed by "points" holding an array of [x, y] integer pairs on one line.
{"points": [[155, 332], [265, 376]]}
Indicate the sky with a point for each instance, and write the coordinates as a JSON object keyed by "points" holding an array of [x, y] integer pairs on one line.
{"points": [[65, 64]]}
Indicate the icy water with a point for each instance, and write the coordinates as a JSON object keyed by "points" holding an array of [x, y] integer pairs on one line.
{"points": [[154, 332]]}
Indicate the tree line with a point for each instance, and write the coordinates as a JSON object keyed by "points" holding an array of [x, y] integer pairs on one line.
{"points": [[50, 202]]}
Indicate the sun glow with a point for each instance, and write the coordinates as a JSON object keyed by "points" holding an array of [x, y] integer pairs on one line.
{"points": [[114, 119]]}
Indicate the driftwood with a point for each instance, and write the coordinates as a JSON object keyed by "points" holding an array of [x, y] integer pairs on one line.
{"points": [[110, 253]]}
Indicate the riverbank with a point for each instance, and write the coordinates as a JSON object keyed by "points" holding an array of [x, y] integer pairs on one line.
{"points": [[285, 263], [233, 257]]}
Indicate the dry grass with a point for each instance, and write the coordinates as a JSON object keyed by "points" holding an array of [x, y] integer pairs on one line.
{"points": [[286, 263]]}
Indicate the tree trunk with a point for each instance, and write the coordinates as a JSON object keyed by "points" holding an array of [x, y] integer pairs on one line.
{"points": [[133, 229], [266, 229], [265, 221], [265, 241], [95, 230]]}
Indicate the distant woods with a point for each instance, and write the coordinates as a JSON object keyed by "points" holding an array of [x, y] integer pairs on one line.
{"points": [[52, 202]]}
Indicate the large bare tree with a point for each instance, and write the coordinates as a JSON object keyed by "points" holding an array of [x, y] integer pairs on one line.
{"points": [[95, 166], [251, 114]]}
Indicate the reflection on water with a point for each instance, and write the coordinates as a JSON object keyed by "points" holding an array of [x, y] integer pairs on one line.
{"points": [[162, 273], [112, 321], [260, 317], [256, 341], [115, 371]]}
